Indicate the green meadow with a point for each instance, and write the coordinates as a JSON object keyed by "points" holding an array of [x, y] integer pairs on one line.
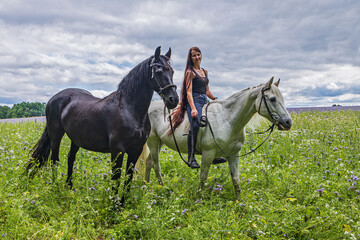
{"points": [[301, 184]]}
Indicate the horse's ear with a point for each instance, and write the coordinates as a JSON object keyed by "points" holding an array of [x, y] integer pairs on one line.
{"points": [[268, 84], [277, 82], [168, 54], [157, 53]]}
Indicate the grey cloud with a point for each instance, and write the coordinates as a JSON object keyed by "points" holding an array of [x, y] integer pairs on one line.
{"points": [[90, 44]]}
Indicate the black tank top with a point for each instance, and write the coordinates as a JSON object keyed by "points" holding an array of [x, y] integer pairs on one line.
{"points": [[199, 83]]}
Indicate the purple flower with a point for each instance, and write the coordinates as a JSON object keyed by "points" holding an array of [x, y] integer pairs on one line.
{"points": [[136, 217], [335, 148], [184, 211], [321, 190], [355, 178]]}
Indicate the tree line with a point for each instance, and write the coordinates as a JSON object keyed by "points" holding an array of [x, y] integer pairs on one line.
{"points": [[21, 110]]}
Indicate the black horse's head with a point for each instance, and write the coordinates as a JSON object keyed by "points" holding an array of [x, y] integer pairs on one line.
{"points": [[162, 78]]}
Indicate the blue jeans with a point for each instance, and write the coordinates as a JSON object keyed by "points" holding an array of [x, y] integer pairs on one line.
{"points": [[199, 101]]}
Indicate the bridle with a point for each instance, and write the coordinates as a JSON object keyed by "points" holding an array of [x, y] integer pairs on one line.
{"points": [[160, 90], [266, 105]]}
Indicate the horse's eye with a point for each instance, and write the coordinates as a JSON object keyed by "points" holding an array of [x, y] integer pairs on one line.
{"points": [[273, 99], [158, 69]]}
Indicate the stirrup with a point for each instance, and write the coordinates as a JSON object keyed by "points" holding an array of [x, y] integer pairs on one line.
{"points": [[193, 163]]}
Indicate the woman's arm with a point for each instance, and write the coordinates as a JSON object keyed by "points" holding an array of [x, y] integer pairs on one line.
{"points": [[189, 76], [208, 93]]}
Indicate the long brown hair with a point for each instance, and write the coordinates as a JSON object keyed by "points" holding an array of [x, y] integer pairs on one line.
{"points": [[178, 113]]}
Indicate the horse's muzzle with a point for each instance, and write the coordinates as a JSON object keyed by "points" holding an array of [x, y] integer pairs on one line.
{"points": [[171, 101], [285, 124]]}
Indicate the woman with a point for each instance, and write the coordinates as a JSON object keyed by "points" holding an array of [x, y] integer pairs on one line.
{"points": [[195, 89]]}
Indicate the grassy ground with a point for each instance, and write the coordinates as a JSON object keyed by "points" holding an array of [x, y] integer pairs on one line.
{"points": [[302, 184]]}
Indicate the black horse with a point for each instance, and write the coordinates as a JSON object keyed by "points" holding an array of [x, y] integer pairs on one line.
{"points": [[116, 124]]}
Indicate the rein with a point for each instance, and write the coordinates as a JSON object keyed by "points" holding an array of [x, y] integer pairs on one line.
{"points": [[204, 119], [173, 133], [203, 122]]}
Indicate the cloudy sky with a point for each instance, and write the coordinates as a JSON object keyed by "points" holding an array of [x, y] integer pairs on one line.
{"points": [[313, 46]]}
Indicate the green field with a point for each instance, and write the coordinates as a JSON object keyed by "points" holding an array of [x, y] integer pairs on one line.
{"points": [[301, 184]]}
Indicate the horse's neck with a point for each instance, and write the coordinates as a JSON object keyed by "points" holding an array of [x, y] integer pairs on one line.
{"points": [[241, 106], [137, 95]]}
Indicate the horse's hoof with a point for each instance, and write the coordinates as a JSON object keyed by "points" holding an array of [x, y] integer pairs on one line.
{"points": [[219, 160]]}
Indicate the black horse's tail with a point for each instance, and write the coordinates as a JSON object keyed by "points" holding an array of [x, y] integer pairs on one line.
{"points": [[40, 154]]}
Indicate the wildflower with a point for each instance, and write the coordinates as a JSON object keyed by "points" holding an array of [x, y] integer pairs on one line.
{"points": [[335, 148], [136, 217], [218, 188], [321, 190], [154, 202], [355, 178], [184, 211]]}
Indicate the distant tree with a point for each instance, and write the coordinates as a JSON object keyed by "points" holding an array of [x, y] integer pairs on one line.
{"points": [[24, 109], [3, 111]]}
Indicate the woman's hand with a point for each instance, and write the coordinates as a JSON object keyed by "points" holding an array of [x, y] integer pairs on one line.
{"points": [[194, 113]]}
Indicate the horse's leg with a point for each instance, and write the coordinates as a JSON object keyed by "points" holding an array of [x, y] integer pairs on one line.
{"points": [[130, 165], [56, 132], [206, 161], [71, 159], [153, 161], [117, 158], [234, 171]]}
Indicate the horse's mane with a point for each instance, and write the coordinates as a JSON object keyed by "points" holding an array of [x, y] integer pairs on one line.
{"points": [[132, 80]]}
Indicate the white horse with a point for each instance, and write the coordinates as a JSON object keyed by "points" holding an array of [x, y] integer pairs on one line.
{"points": [[227, 119]]}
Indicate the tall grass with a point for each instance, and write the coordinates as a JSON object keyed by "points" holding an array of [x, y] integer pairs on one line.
{"points": [[302, 184]]}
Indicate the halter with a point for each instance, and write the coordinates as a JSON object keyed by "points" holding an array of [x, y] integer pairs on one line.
{"points": [[161, 89]]}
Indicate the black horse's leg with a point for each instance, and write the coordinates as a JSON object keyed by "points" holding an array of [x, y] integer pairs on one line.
{"points": [[117, 161], [71, 159], [130, 165], [55, 133]]}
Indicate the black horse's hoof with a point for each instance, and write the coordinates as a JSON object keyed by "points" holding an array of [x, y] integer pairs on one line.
{"points": [[219, 160]]}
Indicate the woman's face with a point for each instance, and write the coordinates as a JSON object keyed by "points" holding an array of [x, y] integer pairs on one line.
{"points": [[195, 57]]}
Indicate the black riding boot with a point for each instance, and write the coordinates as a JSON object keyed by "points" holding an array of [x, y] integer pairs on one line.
{"points": [[191, 151]]}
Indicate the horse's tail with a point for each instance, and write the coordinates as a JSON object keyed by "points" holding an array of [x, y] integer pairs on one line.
{"points": [[40, 154], [141, 162]]}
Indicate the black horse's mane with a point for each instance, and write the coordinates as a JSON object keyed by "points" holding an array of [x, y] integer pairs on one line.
{"points": [[132, 80]]}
